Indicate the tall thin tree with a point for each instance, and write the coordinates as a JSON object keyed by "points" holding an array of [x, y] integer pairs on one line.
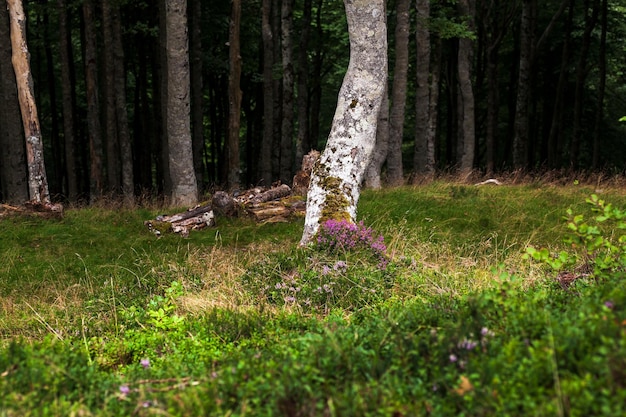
{"points": [[182, 174], [234, 95], [37, 179]]}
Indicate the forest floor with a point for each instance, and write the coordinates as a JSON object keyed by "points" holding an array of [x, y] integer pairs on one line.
{"points": [[484, 300]]}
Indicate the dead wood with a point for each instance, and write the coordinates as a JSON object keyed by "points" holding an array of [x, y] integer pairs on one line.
{"points": [[34, 209]]}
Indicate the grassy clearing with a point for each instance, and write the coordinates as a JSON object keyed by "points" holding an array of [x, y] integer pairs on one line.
{"points": [[99, 317]]}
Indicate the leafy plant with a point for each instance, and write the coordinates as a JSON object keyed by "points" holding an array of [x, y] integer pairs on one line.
{"points": [[597, 244]]}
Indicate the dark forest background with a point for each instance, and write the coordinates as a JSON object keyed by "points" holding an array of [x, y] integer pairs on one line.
{"points": [[111, 51]]}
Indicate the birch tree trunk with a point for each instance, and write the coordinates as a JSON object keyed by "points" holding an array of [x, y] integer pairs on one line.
{"points": [[13, 176], [37, 180], [336, 179], [182, 175]]}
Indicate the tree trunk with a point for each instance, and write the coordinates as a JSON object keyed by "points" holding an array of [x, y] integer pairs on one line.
{"points": [[234, 96], [601, 88], [268, 92], [422, 90], [395, 174], [67, 88], [37, 180], [381, 149], [521, 138], [13, 173], [286, 146], [581, 76], [468, 124], [303, 140], [111, 139], [336, 179], [197, 92], [182, 175], [121, 117], [94, 129]]}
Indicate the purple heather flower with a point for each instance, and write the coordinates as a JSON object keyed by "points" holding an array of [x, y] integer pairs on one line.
{"points": [[467, 344], [609, 305], [145, 363], [325, 270], [453, 358], [340, 265], [290, 299], [124, 389]]}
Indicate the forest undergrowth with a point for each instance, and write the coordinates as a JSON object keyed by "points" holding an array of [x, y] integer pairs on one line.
{"points": [[446, 299]]}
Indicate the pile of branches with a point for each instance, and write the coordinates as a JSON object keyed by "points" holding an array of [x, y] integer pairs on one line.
{"points": [[279, 203]]}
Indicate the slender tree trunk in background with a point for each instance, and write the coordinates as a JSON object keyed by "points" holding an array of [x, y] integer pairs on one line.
{"points": [[286, 147], [121, 116], [111, 139], [601, 88], [336, 180], [381, 149], [422, 91], [56, 163], [521, 138], [182, 174], [555, 137], [278, 88], [197, 117], [234, 96], [303, 140], [433, 108], [316, 77], [395, 174], [468, 124], [581, 76], [162, 100], [67, 88], [94, 129], [37, 180], [268, 92], [13, 172]]}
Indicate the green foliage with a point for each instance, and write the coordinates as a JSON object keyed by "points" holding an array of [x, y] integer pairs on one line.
{"points": [[514, 346], [597, 245]]}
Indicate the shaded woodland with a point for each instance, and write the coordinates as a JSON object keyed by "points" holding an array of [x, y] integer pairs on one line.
{"points": [[487, 85]]}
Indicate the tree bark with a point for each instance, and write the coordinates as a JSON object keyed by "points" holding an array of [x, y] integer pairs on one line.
{"points": [[37, 180], [197, 92], [111, 138], [182, 175], [595, 161], [395, 174], [521, 138], [422, 90], [381, 149], [303, 139], [286, 146], [94, 129], [121, 116], [67, 88], [581, 76], [467, 106], [336, 179], [234, 96], [268, 92], [13, 174]]}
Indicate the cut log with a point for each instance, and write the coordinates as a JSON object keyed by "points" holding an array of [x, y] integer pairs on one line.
{"points": [[272, 194]]}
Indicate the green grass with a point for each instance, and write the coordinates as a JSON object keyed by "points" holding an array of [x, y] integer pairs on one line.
{"points": [[234, 321]]}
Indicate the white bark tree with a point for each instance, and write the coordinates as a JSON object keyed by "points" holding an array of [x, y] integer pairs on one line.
{"points": [[336, 179]]}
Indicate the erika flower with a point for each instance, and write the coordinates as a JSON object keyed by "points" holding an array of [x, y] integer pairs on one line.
{"points": [[343, 235], [145, 363], [124, 389]]}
